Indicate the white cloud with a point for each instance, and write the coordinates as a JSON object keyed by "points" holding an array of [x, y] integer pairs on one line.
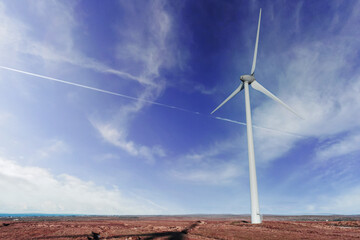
{"points": [[339, 147], [58, 21], [317, 83], [53, 147], [5, 117], [297, 15], [118, 137], [32, 189], [11, 34], [144, 49], [220, 164], [225, 161], [144, 43], [47, 52], [271, 145], [345, 202], [58, 45], [211, 174]]}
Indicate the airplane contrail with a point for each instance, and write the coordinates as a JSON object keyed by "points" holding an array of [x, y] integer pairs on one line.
{"points": [[140, 99], [263, 128], [95, 89]]}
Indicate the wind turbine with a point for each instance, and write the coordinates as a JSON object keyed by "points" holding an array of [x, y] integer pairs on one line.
{"points": [[247, 80]]}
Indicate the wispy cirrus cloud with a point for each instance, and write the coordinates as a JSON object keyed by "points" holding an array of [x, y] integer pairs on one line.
{"points": [[118, 137], [220, 164], [339, 147], [312, 82], [142, 51], [53, 146], [143, 48], [23, 38], [213, 173], [310, 75]]}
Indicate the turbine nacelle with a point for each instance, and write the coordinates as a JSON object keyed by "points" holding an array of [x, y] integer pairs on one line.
{"points": [[247, 78]]}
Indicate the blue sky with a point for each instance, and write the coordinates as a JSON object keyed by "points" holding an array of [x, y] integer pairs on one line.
{"points": [[68, 149]]}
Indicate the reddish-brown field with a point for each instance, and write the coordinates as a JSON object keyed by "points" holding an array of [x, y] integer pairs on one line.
{"points": [[191, 227]]}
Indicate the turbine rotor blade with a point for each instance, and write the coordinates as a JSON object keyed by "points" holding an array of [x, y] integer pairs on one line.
{"points": [[256, 46], [241, 87], [260, 88]]}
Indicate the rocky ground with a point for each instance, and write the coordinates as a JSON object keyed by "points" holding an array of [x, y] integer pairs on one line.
{"points": [[181, 227]]}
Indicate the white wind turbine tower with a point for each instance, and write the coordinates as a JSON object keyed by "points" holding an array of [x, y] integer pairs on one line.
{"points": [[247, 80]]}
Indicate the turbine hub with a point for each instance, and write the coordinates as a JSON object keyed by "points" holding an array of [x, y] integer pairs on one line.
{"points": [[247, 78]]}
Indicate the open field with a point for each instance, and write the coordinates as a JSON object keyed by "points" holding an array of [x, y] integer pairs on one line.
{"points": [[181, 227]]}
